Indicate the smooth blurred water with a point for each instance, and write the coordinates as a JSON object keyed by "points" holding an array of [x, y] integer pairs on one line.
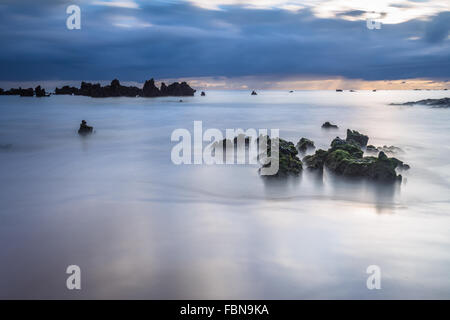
{"points": [[141, 227]]}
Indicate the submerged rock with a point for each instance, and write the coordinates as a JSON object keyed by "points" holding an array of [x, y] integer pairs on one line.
{"points": [[85, 129], [328, 125], [434, 103], [5, 147], [357, 138], [305, 144], [385, 149]]}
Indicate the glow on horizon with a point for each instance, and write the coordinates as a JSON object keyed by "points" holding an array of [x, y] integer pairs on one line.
{"points": [[257, 83]]}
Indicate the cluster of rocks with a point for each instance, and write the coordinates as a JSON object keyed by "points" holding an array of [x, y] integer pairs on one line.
{"points": [[115, 89], [434, 103], [29, 92], [343, 158]]}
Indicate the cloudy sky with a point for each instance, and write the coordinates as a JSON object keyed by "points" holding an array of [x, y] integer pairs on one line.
{"points": [[230, 43]]}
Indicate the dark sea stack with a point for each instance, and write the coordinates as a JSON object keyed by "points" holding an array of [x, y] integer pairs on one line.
{"points": [[115, 89], [203, 94], [328, 125], [26, 92], [182, 89], [66, 90], [39, 92], [305, 144], [85, 129], [254, 93], [1, 91], [357, 138], [163, 90], [150, 90]]}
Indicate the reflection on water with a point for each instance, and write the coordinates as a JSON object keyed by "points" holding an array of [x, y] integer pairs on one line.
{"points": [[141, 227]]}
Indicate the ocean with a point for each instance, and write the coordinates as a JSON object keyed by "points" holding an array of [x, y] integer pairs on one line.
{"points": [[139, 226]]}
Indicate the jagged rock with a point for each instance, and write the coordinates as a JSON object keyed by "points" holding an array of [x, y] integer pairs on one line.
{"points": [[115, 89], [40, 92], [328, 125], [434, 103], [26, 92], [357, 138], [254, 93], [150, 90], [85, 129], [18, 92], [66, 90], [289, 164], [180, 90], [350, 147], [305, 144], [316, 160], [203, 94]]}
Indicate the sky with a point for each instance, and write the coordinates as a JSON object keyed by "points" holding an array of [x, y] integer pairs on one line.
{"points": [[230, 44]]}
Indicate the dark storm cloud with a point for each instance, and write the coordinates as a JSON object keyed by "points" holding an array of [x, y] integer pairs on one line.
{"points": [[167, 40]]}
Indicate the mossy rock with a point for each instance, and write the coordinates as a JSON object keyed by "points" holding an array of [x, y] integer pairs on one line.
{"points": [[317, 160], [353, 149], [355, 137], [303, 144], [289, 164]]}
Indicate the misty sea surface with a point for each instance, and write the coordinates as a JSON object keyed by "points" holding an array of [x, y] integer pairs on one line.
{"points": [[142, 227]]}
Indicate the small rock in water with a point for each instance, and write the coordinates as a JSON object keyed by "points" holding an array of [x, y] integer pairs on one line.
{"points": [[328, 125], [85, 129], [203, 94], [254, 93]]}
